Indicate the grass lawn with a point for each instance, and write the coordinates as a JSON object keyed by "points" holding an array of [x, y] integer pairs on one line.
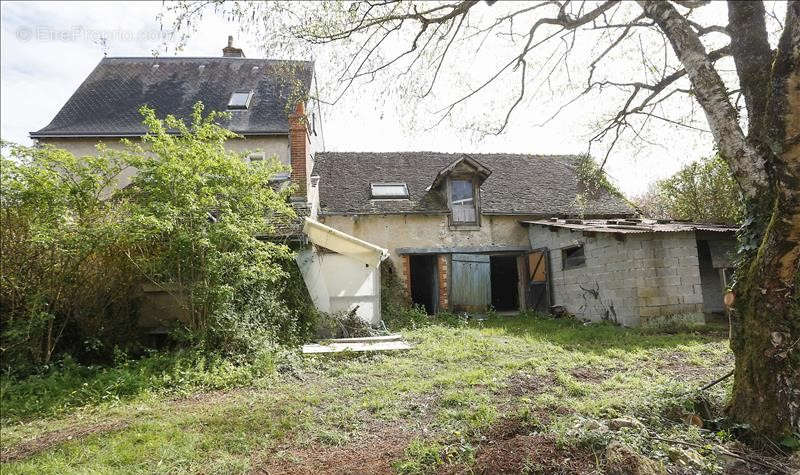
{"points": [[512, 394]]}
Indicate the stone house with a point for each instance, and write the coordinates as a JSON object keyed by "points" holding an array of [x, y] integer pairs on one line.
{"points": [[267, 100], [470, 232], [465, 231]]}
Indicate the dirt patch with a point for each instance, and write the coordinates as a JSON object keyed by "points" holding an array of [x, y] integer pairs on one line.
{"points": [[523, 384], [590, 375], [373, 452], [675, 364], [534, 454], [51, 439]]}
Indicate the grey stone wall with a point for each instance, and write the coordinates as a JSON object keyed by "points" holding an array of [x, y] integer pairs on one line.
{"points": [[629, 281]]}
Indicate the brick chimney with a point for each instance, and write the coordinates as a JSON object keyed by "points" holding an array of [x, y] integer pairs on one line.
{"points": [[231, 52], [298, 153]]}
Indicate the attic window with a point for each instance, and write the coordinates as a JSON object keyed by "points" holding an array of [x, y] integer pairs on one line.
{"points": [[462, 202], [573, 257], [240, 100], [388, 191]]}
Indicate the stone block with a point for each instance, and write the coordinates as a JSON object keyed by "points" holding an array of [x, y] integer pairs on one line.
{"points": [[689, 261]]}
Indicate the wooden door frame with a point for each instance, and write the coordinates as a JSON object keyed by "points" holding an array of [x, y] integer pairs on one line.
{"points": [[545, 252]]}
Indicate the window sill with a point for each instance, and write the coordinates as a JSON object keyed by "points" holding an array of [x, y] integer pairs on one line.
{"points": [[465, 227]]}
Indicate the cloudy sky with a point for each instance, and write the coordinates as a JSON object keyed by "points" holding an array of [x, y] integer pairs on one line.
{"points": [[49, 48]]}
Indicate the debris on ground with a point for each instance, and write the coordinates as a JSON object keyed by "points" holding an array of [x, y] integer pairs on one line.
{"points": [[621, 459], [373, 343]]}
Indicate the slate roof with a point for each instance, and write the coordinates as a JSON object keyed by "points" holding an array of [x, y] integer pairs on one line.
{"points": [[536, 185], [107, 102]]}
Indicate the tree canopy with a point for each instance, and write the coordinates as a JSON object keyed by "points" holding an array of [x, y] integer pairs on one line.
{"points": [[703, 191]]}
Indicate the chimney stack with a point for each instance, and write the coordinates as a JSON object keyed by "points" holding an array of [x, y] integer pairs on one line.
{"points": [[231, 52], [298, 151]]}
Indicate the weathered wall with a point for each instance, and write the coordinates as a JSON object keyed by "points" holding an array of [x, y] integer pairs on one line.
{"points": [[632, 281], [428, 231], [276, 145]]}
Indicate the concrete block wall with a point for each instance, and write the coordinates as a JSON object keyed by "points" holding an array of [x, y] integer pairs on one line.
{"points": [[629, 281]]}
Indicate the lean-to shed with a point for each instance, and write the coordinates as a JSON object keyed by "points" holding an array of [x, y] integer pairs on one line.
{"points": [[342, 272]]}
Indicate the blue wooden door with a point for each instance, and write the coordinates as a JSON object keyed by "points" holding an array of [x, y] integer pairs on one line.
{"points": [[471, 283]]}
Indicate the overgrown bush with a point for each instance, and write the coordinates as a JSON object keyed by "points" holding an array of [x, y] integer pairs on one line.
{"points": [[77, 247], [396, 309], [65, 280]]}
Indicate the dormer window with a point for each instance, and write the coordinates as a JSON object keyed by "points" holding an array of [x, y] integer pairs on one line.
{"points": [[240, 100], [462, 201], [388, 191]]}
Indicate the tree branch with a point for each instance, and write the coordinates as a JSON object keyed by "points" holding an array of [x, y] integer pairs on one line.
{"points": [[749, 167], [753, 58]]}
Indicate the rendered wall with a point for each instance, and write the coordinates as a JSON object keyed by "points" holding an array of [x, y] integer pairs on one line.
{"points": [[633, 281], [271, 146], [428, 231]]}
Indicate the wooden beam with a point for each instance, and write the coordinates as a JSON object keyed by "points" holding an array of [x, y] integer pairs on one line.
{"points": [[461, 250]]}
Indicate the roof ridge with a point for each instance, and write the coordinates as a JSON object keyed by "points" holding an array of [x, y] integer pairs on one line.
{"points": [[516, 154], [203, 58]]}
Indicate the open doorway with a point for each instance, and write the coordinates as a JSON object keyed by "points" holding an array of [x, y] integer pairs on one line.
{"points": [[423, 281], [710, 280], [504, 281]]}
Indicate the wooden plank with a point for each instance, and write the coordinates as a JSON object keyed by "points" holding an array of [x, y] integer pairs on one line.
{"points": [[356, 347], [368, 339], [461, 250], [472, 290]]}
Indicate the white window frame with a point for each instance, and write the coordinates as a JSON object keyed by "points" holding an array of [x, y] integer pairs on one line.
{"points": [[373, 196], [475, 203], [246, 105]]}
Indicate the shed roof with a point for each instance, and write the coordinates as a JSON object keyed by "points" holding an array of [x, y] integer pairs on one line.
{"points": [[531, 185], [107, 103], [629, 226]]}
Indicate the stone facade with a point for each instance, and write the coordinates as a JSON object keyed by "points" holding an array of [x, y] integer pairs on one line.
{"points": [[629, 280], [397, 231]]}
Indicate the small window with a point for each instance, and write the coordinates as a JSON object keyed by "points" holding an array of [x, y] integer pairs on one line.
{"points": [[462, 201], [388, 191], [573, 257], [240, 100], [255, 157]]}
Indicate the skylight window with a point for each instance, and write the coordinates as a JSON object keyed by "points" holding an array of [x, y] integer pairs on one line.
{"points": [[389, 191], [240, 100]]}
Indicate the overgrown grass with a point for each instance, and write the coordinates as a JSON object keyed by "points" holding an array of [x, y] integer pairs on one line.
{"points": [[441, 398], [68, 385]]}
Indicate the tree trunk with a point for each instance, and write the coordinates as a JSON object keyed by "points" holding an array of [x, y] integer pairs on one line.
{"points": [[766, 324], [766, 165], [766, 331]]}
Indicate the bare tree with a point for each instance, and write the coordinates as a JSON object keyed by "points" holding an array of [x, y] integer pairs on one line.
{"points": [[680, 52]]}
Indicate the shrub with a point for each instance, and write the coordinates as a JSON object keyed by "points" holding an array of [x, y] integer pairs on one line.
{"points": [[77, 247], [396, 309]]}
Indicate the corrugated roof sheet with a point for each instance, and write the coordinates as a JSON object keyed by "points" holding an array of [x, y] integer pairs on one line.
{"points": [[629, 226]]}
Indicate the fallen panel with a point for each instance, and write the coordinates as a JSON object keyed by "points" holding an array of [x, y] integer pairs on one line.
{"points": [[338, 347]]}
